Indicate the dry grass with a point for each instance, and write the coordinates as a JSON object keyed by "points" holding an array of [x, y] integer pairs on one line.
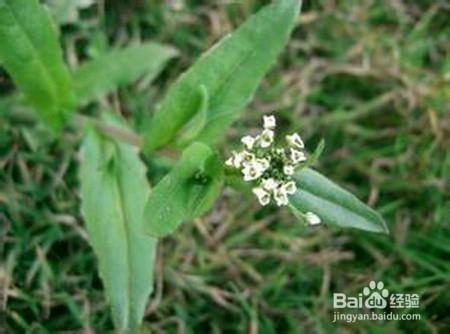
{"points": [[371, 77]]}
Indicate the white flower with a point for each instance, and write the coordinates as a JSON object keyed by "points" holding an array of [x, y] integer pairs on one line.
{"points": [[264, 164], [263, 196], [265, 139], [295, 140], [230, 162], [269, 167], [312, 218], [250, 173], [280, 197], [248, 141], [254, 169], [297, 156], [289, 187], [246, 158], [269, 184], [269, 122], [235, 160], [288, 170]]}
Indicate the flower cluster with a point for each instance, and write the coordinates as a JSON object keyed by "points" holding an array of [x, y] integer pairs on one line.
{"points": [[268, 167]]}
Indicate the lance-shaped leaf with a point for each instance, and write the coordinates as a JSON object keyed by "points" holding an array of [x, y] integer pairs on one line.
{"points": [[118, 68], [332, 204], [114, 190], [188, 191], [196, 124], [30, 52], [230, 72]]}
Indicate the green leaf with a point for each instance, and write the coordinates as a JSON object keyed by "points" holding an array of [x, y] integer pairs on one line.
{"points": [[187, 192], [118, 68], [230, 72], [196, 124], [30, 52], [114, 190], [333, 204]]}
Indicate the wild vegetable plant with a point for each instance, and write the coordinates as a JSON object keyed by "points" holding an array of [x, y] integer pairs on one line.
{"points": [[124, 216]]}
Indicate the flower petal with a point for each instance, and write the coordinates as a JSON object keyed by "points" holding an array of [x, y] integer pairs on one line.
{"points": [[297, 156], [248, 141], [295, 140], [269, 122], [266, 138], [288, 170], [269, 184], [312, 218], [262, 195], [290, 187], [280, 197]]}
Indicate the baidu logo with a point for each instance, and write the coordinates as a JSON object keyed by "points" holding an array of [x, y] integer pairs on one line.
{"points": [[374, 296], [375, 302]]}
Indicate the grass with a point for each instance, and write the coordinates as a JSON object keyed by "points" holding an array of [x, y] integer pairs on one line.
{"points": [[370, 77]]}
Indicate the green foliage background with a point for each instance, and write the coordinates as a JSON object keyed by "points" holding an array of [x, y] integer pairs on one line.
{"points": [[371, 77]]}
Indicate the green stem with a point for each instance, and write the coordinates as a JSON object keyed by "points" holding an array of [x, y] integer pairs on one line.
{"points": [[110, 130]]}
